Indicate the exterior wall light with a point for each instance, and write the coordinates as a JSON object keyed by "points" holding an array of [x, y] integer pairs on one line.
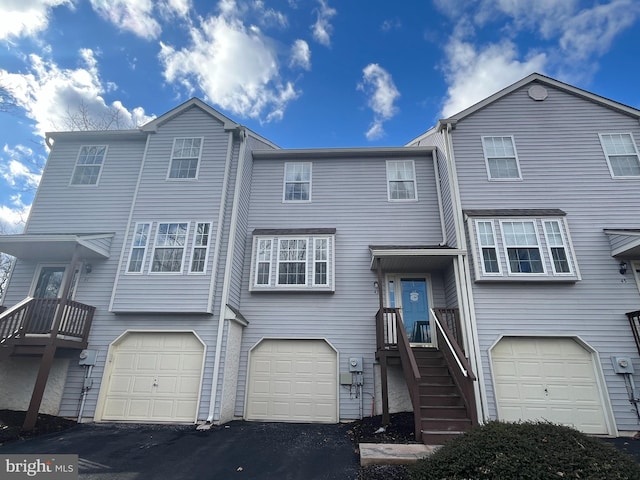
{"points": [[623, 267]]}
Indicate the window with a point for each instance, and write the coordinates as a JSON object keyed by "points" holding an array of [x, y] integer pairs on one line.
{"points": [[621, 153], [557, 248], [292, 262], [320, 261], [263, 270], [200, 248], [523, 249], [502, 160], [297, 182], [185, 158], [293, 259], [487, 243], [89, 165], [139, 248], [401, 180], [168, 251]]}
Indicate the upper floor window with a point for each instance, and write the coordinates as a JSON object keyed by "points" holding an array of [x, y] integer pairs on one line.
{"points": [[168, 250], [622, 154], [200, 250], [297, 182], [557, 246], [501, 157], [288, 259], [139, 248], [522, 246], [185, 158], [487, 244], [401, 180], [89, 165]]}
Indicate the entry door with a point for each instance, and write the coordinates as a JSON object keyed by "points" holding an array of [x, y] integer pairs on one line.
{"points": [[415, 310], [49, 282]]}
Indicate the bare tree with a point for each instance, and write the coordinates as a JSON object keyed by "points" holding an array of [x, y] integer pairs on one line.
{"points": [[6, 261], [82, 118]]}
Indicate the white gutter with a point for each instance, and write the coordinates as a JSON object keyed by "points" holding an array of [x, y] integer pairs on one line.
{"points": [[464, 280], [227, 278]]}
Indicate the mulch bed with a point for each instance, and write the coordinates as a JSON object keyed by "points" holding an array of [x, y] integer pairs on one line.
{"points": [[11, 425]]}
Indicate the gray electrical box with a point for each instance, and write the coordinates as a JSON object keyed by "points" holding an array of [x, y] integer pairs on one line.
{"points": [[346, 378], [622, 364], [88, 357], [355, 364]]}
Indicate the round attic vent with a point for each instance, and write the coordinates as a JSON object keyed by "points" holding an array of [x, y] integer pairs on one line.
{"points": [[538, 92]]}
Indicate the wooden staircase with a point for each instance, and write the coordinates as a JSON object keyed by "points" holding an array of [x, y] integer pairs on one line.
{"points": [[443, 413]]}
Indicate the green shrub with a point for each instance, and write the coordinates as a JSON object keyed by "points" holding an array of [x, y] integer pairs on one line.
{"points": [[499, 450]]}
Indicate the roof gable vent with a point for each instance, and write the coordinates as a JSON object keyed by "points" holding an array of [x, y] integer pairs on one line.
{"points": [[538, 92]]}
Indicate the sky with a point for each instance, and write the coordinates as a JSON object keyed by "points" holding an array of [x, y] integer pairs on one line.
{"points": [[302, 73]]}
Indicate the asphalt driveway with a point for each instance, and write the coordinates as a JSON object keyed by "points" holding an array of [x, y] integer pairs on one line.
{"points": [[237, 450]]}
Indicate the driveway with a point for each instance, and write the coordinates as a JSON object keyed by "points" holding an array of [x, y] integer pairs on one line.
{"points": [[242, 450]]}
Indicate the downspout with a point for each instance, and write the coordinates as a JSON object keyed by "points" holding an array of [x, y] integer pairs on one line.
{"points": [[227, 276], [439, 195], [465, 279]]}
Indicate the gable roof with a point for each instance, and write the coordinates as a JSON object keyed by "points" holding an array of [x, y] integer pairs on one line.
{"points": [[544, 80], [153, 125]]}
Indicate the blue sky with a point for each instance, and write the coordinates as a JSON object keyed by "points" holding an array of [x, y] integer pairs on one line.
{"points": [[303, 73]]}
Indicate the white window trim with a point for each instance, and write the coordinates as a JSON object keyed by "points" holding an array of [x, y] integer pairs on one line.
{"points": [[205, 247], [499, 273], [169, 178], [306, 263], [414, 180], [257, 262], [316, 261], [486, 159], [539, 246], [133, 247], [284, 182], [155, 241], [608, 156], [73, 173], [565, 245]]}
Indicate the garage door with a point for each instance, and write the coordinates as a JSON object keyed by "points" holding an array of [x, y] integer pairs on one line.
{"points": [[154, 377], [292, 381], [549, 379]]}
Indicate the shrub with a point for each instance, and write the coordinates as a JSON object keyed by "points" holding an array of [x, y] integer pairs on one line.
{"points": [[528, 450]]}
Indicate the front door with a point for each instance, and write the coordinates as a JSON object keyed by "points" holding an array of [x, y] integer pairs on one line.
{"points": [[47, 288], [49, 282], [415, 310]]}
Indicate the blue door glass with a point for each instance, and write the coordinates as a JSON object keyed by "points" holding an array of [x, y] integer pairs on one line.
{"points": [[415, 310]]}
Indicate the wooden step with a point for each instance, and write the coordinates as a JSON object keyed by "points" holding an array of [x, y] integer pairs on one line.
{"points": [[446, 424], [438, 437], [443, 411], [440, 399], [437, 389], [437, 380], [427, 370]]}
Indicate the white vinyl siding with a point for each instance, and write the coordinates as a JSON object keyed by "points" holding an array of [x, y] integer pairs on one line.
{"points": [[522, 247], [139, 248], [622, 154], [89, 165], [297, 182], [488, 250], [292, 263], [502, 158], [185, 158], [401, 180], [200, 252], [169, 248]]}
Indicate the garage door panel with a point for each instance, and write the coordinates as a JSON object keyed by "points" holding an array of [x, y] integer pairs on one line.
{"points": [[142, 384], [554, 380], [289, 378]]}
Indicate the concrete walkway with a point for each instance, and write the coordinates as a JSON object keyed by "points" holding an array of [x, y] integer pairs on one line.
{"points": [[393, 454]]}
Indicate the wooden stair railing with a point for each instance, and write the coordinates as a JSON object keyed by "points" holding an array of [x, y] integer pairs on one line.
{"points": [[634, 321]]}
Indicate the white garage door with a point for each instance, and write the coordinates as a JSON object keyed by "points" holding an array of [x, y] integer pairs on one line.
{"points": [[293, 381], [549, 379], [154, 377]]}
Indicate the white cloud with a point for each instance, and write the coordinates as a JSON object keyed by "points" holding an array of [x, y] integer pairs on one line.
{"points": [[391, 24], [23, 18], [178, 7], [20, 167], [135, 16], [472, 73], [323, 29], [50, 95], [268, 16], [236, 66], [300, 55], [13, 216], [378, 85]]}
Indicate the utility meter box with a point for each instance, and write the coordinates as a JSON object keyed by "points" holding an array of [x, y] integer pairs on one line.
{"points": [[88, 357], [622, 365], [355, 364]]}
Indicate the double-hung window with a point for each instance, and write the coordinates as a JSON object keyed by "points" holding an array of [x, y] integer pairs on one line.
{"points": [[185, 158], [401, 180], [169, 247], [292, 261], [487, 244], [297, 182], [139, 247], [501, 158], [89, 165], [557, 247], [522, 247], [622, 154], [320, 261], [200, 250], [263, 261]]}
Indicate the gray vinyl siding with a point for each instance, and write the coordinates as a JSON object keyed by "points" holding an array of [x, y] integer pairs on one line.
{"points": [[160, 201], [349, 195], [563, 166]]}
